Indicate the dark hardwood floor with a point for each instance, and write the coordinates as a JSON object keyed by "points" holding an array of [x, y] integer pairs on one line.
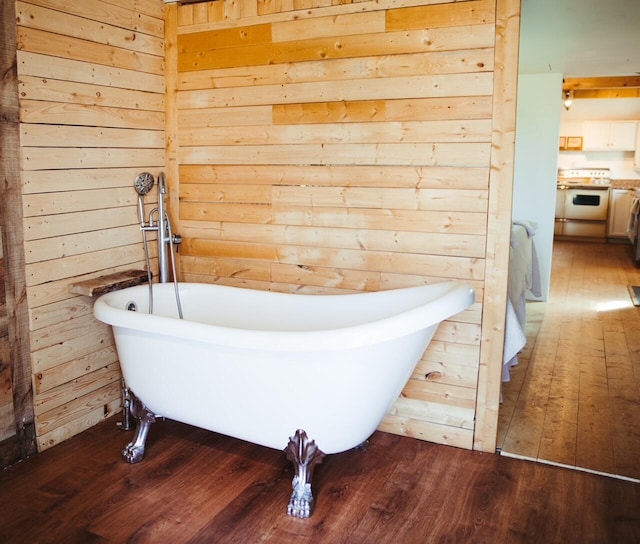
{"points": [[199, 487]]}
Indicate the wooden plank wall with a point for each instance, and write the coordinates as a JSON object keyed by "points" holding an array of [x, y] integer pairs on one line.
{"points": [[91, 88], [337, 147], [7, 421], [18, 429]]}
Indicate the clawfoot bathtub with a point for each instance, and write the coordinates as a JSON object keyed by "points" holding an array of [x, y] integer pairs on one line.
{"points": [[308, 374]]}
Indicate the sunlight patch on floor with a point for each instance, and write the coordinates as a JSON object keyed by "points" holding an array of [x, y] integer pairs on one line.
{"points": [[611, 305]]}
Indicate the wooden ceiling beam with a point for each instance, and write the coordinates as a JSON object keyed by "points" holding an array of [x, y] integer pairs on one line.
{"points": [[607, 93], [599, 83]]}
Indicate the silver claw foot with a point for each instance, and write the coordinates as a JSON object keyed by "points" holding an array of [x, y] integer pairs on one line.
{"points": [[134, 450], [305, 455]]}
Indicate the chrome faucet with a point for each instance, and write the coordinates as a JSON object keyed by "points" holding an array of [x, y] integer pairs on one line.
{"points": [[166, 238]]}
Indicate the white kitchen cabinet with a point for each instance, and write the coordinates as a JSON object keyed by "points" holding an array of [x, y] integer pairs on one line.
{"points": [[609, 136], [620, 201]]}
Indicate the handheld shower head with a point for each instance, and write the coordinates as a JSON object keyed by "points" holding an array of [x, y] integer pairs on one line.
{"points": [[143, 183]]}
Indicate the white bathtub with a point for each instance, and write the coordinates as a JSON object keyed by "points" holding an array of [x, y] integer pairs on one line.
{"points": [[260, 366]]}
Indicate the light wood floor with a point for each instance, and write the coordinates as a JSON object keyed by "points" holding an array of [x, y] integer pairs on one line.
{"points": [[574, 398]]}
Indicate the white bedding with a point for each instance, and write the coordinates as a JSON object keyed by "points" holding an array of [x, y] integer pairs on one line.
{"points": [[524, 277]]}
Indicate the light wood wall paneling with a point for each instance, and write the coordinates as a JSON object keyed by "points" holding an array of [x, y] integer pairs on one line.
{"points": [[51, 397], [69, 158], [355, 89], [421, 429], [433, 412], [196, 18], [473, 12], [77, 244], [451, 374], [345, 148], [464, 108], [469, 154], [342, 135], [72, 71], [407, 242], [51, 203], [498, 223], [61, 113], [335, 175], [39, 226], [435, 62], [73, 368], [92, 113], [463, 200], [47, 43], [52, 90], [171, 119], [152, 8], [51, 181], [34, 135], [60, 423], [83, 418], [55, 291], [62, 311], [82, 27], [401, 42], [66, 330], [462, 268], [143, 16], [78, 265], [403, 131]]}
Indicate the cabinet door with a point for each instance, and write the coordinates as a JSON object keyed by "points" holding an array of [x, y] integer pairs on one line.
{"points": [[596, 136], [622, 136], [619, 211], [609, 135]]}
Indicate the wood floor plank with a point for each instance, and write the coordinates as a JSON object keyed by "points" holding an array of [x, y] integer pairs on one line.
{"points": [[592, 411], [594, 448], [527, 424]]}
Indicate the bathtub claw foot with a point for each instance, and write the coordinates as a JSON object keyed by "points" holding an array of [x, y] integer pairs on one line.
{"points": [[134, 450], [305, 455]]}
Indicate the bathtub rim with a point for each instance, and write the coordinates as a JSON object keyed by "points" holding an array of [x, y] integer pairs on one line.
{"points": [[459, 295]]}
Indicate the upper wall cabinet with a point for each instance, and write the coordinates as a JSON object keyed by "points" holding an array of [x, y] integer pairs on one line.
{"points": [[609, 135]]}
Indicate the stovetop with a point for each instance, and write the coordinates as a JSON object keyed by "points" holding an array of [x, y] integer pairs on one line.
{"points": [[585, 176]]}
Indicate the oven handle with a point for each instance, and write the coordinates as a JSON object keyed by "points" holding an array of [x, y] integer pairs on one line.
{"points": [[583, 187], [586, 200]]}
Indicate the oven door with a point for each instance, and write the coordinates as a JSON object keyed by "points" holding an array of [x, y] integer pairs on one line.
{"points": [[587, 204]]}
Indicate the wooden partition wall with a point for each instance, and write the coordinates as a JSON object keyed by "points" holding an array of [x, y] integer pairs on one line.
{"points": [[313, 147], [89, 79], [325, 148]]}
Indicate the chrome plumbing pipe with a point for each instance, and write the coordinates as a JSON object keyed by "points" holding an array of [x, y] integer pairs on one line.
{"points": [[164, 238]]}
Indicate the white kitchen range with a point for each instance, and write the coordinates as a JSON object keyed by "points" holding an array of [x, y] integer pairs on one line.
{"points": [[582, 202]]}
